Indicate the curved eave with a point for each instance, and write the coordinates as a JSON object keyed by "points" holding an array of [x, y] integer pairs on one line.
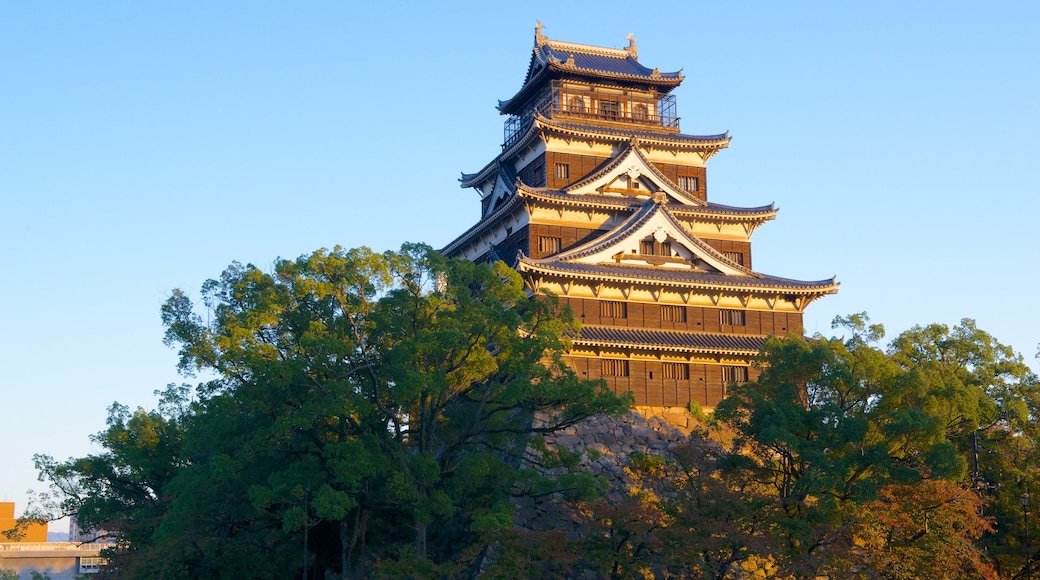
{"points": [[669, 347], [694, 142], [711, 211], [483, 225], [475, 179], [753, 214], [769, 285], [665, 80]]}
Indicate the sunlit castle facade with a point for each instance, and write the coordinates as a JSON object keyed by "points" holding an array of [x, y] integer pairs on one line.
{"points": [[598, 197]]}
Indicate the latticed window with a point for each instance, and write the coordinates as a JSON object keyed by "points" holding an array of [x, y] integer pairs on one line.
{"points": [[673, 313], [678, 371], [576, 105], [562, 171], [549, 245], [732, 374], [732, 318], [614, 367], [737, 257], [609, 109], [613, 309], [689, 183]]}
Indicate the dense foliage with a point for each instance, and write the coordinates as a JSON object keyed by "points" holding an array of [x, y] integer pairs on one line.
{"points": [[843, 460], [364, 416]]}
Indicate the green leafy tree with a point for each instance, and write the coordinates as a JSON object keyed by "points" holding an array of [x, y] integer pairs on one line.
{"points": [[841, 430], [363, 414]]}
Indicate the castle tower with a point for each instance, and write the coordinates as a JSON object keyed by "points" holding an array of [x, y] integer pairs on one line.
{"points": [[599, 198]]}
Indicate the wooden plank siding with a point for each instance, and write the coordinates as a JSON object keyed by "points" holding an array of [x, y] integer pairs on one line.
{"points": [[732, 246], [673, 172], [579, 166], [569, 237], [649, 387], [698, 318]]}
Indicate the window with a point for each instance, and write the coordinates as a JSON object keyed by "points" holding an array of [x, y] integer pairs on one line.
{"points": [[646, 247], [614, 367], [549, 245], [732, 318], [678, 371], [608, 109], [737, 257], [734, 375], [689, 183], [673, 314], [666, 249], [577, 105], [563, 171], [613, 309], [639, 112]]}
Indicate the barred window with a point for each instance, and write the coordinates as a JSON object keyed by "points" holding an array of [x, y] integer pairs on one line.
{"points": [[673, 313], [646, 247], [562, 171], [613, 309], [737, 257], [577, 105], [679, 371], [614, 367], [549, 245], [732, 318], [734, 374], [666, 249], [689, 183]]}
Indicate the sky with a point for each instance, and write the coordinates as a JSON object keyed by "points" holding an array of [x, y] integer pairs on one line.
{"points": [[146, 146]]}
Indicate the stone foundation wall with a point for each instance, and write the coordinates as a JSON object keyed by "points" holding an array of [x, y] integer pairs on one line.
{"points": [[607, 446]]}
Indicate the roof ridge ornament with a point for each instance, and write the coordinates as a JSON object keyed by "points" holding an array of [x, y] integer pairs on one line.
{"points": [[631, 48], [656, 74], [539, 38], [570, 60]]}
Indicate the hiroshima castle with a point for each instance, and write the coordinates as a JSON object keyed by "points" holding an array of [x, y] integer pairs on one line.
{"points": [[598, 197]]}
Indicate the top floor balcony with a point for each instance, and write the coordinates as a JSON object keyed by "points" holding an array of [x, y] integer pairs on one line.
{"points": [[597, 106]]}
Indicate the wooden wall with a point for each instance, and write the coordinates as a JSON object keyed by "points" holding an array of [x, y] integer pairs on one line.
{"points": [[569, 237], [649, 387], [731, 246], [698, 318], [673, 172], [578, 167]]}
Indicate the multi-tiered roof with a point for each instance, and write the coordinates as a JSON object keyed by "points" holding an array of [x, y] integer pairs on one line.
{"points": [[598, 198]]}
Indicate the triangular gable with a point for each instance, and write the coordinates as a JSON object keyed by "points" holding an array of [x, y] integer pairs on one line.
{"points": [[630, 174], [505, 186], [652, 237]]}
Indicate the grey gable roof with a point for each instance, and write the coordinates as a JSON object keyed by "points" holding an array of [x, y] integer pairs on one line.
{"points": [[654, 339]]}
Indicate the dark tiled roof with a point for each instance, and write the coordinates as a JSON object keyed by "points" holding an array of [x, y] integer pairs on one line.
{"points": [[678, 276], [556, 195], [599, 61], [628, 133], [669, 339]]}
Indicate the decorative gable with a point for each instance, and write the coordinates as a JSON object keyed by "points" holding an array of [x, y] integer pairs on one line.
{"points": [[652, 237], [630, 174]]}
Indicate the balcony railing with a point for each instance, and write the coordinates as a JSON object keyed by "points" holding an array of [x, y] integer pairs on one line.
{"points": [[597, 107]]}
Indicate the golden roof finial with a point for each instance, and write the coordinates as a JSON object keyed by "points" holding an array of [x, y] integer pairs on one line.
{"points": [[539, 38], [631, 48]]}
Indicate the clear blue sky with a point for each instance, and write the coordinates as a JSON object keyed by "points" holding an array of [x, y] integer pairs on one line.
{"points": [[144, 146]]}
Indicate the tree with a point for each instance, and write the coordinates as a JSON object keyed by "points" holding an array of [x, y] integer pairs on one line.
{"points": [[847, 435], [362, 413]]}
